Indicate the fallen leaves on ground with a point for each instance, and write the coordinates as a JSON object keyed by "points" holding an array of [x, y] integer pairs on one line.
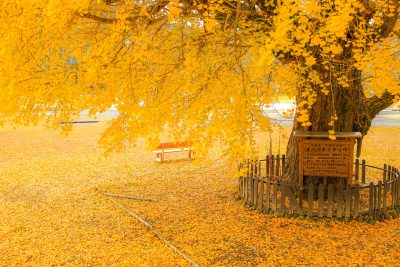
{"points": [[53, 212]]}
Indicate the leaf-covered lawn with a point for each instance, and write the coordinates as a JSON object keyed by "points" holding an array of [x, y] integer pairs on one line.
{"points": [[53, 213]]}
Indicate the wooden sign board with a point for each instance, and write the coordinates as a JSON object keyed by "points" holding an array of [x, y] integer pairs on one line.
{"points": [[326, 158]]}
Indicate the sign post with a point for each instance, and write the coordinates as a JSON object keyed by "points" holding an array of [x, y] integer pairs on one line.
{"points": [[321, 157]]}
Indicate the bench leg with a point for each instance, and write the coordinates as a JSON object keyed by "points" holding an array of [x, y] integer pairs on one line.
{"points": [[191, 154], [160, 157]]}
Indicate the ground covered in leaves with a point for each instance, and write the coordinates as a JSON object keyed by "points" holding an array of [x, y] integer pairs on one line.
{"points": [[53, 212]]}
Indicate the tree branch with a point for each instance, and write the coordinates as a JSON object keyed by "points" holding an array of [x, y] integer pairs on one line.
{"points": [[376, 104], [371, 107], [135, 19], [97, 18], [389, 24]]}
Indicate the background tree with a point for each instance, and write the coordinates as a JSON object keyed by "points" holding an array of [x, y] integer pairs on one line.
{"points": [[200, 68]]}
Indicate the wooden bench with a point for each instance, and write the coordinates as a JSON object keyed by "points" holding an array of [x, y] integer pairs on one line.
{"points": [[173, 147]]}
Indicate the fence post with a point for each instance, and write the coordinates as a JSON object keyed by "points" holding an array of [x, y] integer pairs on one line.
{"points": [[357, 170], [267, 195], [241, 186], [398, 188], [393, 180], [277, 167], [283, 196], [272, 165], [251, 188], [390, 176], [241, 178], [363, 171], [384, 172], [292, 199], [379, 202], [274, 196], [397, 185], [246, 185], [356, 200], [267, 166], [395, 190], [255, 188], [385, 191], [301, 192], [375, 201], [283, 163], [261, 202], [371, 198]]}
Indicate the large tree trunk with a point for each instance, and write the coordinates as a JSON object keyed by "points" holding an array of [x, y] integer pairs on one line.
{"points": [[353, 109]]}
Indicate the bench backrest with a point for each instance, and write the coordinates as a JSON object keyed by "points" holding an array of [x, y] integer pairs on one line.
{"points": [[174, 145]]}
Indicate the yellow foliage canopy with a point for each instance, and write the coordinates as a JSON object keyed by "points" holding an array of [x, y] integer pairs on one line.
{"points": [[201, 68]]}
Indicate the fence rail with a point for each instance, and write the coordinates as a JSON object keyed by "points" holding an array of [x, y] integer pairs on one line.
{"points": [[263, 188]]}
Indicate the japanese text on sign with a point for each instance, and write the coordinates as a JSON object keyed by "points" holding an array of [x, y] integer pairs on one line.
{"points": [[327, 158]]}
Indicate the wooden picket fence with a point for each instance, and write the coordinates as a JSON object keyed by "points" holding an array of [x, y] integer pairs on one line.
{"points": [[262, 188]]}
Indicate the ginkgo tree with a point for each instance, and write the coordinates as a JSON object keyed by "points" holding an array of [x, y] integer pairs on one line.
{"points": [[199, 69]]}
